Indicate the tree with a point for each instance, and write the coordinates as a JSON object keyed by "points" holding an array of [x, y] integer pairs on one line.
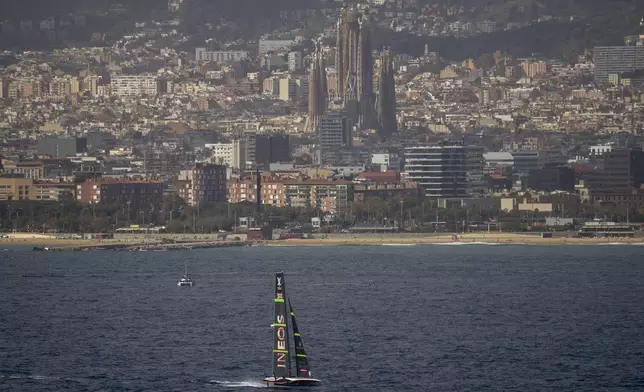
{"points": [[485, 61]]}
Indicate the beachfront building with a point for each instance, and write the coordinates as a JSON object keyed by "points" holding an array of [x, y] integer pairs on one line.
{"points": [[453, 171]]}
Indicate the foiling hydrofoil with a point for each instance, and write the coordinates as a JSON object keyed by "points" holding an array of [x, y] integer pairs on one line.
{"points": [[291, 381]]}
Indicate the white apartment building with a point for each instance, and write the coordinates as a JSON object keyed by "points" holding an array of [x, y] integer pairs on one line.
{"points": [[133, 85], [229, 154], [220, 56], [294, 61]]}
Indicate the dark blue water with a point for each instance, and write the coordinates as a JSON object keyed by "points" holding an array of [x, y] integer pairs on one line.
{"points": [[436, 318]]}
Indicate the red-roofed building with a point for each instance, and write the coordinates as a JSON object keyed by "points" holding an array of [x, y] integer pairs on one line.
{"points": [[379, 177]]}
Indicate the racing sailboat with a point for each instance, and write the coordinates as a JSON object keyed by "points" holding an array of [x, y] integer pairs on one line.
{"points": [[283, 376]]}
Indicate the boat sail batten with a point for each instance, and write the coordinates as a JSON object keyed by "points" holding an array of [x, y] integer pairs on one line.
{"points": [[301, 359], [282, 325], [281, 357]]}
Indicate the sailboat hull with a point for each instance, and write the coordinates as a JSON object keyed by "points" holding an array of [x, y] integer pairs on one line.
{"points": [[291, 381]]}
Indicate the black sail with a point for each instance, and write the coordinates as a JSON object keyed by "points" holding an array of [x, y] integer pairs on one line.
{"points": [[281, 358], [301, 360]]}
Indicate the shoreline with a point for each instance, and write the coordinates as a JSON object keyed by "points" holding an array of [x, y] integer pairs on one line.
{"points": [[27, 239], [460, 241]]}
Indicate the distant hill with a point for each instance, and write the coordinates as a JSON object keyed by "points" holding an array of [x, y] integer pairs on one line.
{"points": [[12, 9], [595, 22]]}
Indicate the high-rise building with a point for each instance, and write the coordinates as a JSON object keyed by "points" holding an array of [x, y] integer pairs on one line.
{"points": [[616, 60], [204, 183], [61, 146], [318, 91], [334, 130], [266, 149], [386, 97], [294, 61], [287, 89], [623, 171], [445, 171], [334, 133], [354, 63]]}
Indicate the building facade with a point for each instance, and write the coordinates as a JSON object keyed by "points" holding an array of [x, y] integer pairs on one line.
{"points": [[616, 60], [61, 146], [229, 154], [330, 196], [240, 191], [622, 173], [207, 183], [264, 149], [445, 171], [334, 132], [133, 85], [220, 56], [31, 169], [16, 188], [133, 195]]}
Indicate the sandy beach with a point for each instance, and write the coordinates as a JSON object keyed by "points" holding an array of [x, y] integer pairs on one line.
{"points": [[41, 240], [473, 238]]}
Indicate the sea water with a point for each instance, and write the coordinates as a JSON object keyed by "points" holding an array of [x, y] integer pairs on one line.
{"points": [[375, 318]]}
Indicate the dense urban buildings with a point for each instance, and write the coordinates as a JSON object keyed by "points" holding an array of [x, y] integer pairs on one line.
{"points": [[335, 122]]}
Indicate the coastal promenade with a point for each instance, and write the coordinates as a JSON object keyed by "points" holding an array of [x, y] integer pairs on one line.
{"points": [[461, 238], [65, 242], [192, 241]]}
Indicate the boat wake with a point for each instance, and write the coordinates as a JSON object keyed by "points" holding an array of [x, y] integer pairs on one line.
{"points": [[39, 377], [239, 384]]}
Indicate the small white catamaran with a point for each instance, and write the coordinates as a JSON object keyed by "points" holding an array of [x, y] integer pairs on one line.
{"points": [[186, 280], [282, 373]]}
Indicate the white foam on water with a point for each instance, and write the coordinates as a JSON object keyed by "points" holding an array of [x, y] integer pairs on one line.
{"points": [[33, 377], [239, 384]]}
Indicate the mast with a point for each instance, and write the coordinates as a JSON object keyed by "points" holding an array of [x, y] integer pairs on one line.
{"points": [[301, 360], [258, 197], [281, 358]]}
